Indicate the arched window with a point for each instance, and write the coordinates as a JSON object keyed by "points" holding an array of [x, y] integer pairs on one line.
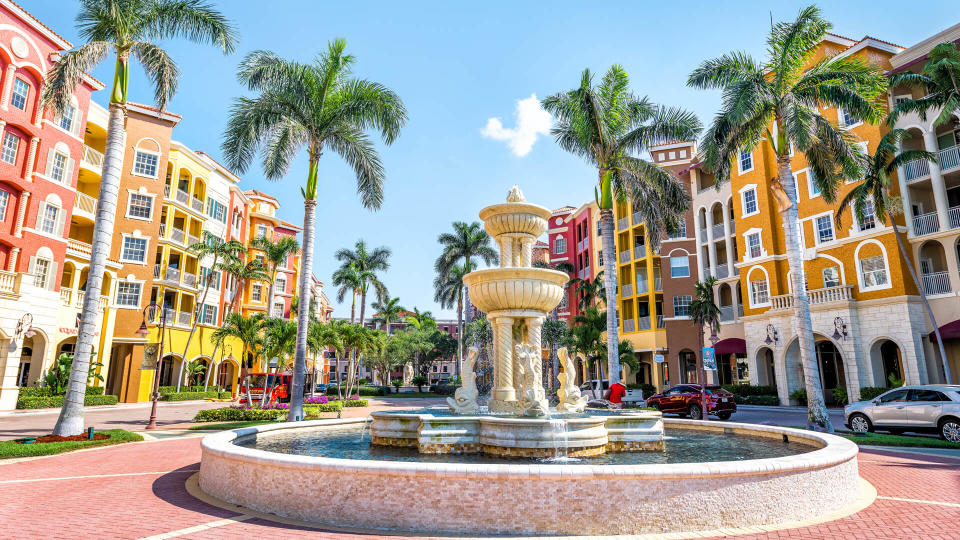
{"points": [[280, 285], [759, 287], [873, 271], [59, 164]]}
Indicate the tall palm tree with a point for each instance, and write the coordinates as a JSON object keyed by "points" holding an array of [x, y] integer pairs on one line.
{"points": [[368, 263], [554, 334], [588, 290], [348, 280], [388, 312], [247, 330], [467, 244], [356, 338], [275, 255], [448, 290], [221, 251], [586, 337], [241, 274], [779, 101], [319, 107], [876, 192], [125, 27], [321, 336], [705, 314], [279, 341], [608, 126], [421, 320], [939, 80]]}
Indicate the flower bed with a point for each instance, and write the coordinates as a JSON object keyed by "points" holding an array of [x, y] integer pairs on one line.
{"points": [[50, 444], [236, 413]]}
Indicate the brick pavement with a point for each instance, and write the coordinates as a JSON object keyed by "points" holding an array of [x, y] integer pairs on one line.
{"points": [[137, 490]]}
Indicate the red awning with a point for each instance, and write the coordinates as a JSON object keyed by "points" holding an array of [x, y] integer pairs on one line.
{"points": [[948, 331], [731, 346]]}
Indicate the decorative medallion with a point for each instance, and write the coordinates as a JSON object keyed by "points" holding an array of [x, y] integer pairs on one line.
{"points": [[19, 47]]}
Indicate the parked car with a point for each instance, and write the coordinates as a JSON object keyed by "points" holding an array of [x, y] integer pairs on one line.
{"points": [[588, 387], [684, 399], [321, 388], [929, 408], [277, 386]]}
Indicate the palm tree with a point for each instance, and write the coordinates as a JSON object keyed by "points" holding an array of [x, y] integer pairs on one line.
{"points": [[318, 106], [247, 330], [367, 263], [466, 244], [320, 336], [876, 191], [126, 27], [588, 290], [275, 254], [448, 290], [194, 370], [608, 126], [356, 338], [421, 320], [388, 312], [788, 91], [939, 81], [221, 252], [348, 280], [705, 314], [554, 334], [243, 273], [586, 337], [279, 341]]}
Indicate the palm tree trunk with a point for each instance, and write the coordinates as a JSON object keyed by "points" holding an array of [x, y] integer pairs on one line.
{"points": [[303, 307], [610, 282], [70, 421], [703, 375], [923, 297], [193, 327], [270, 292], [816, 407]]}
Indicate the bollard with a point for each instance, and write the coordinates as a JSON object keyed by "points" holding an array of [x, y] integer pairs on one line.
{"points": [[90, 433]]}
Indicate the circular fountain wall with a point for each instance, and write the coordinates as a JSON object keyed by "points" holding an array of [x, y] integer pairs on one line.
{"points": [[574, 499]]}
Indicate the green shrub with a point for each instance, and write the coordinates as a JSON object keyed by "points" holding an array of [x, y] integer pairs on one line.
{"points": [[750, 390], [443, 389], [44, 391], [800, 396], [419, 381], [840, 395], [185, 388], [10, 449], [190, 396], [315, 410], [231, 414], [95, 390], [355, 403], [759, 400], [365, 390], [869, 392], [51, 402]]}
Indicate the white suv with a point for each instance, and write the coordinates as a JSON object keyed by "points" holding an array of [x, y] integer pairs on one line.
{"points": [[920, 408]]}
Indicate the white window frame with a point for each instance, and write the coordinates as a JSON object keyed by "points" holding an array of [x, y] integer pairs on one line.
{"points": [[9, 135], [872, 217], [282, 280], [150, 196], [4, 202], [861, 283], [273, 310], [748, 254], [559, 245], [72, 120], [750, 290], [823, 276], [123, 248], [689, 300], [42, 218], [256, 293], [136, 154], [843, 123], [66, 171], [139, 294], [816, 229], [25, 97], [686, 259], [812, 191], [743, 200], [740, 154], [48, 265], [257, 231]]}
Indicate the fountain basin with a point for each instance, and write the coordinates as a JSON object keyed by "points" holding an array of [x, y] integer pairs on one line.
{"points": [[537, 290], [535, 498], [515, 218]]}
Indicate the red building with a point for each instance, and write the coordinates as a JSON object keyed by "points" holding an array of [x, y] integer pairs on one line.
{"points": [[574, 238]]}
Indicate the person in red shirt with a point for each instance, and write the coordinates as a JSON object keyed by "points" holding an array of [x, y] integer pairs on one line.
{"points": [[615, 394]]}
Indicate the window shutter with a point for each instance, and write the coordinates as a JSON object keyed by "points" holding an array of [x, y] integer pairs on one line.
{"points": [[51, 276], [61, 219], [68, 173], [32, 267], [49, 170], [40, 212]]}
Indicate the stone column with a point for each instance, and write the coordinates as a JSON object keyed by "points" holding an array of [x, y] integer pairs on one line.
{"points": [[517, 248], [701, 264], [8, 86], [506, 251], [21, 213], [32, 161], [534, 330], [711, 247], [728, 239], [503, 390], [526, 252], [12, 263], [936, 181], [905, 197]]}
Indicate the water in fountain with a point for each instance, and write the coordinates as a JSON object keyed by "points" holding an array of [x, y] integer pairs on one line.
{"points": [[560, 441]]}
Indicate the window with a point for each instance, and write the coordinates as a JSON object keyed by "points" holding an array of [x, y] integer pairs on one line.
{"points": [[260, 260], [41, 272], [57, 167], [145, 164], [278, 309], [280, 285], [4, 199], [261, 231], [217, 210], [873, 271], [10, 145], [681, 306], [746, 161], [846, 119], [208, 315], [49, 215], [66, 120], [134, 249], [896, 395], [140, 206], [559, 245], [128, 294], [20, 92], [760, 294], [750, 202], [679, 267], [831, 277], [681, 231], [869, 220], [754, 248], [824, 229], [599, 229], [926, 395], [211, 278], [812, 186], [600, 257], [255, 293]]}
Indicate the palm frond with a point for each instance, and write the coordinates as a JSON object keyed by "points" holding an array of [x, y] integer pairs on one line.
{"points": [[67, 72], [193, 20], [160, 68], [358, 151]]}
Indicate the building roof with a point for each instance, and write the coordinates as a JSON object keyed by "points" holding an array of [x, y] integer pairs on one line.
{"points": [[258, 193], [149, 110], [563, 210], [289, 225], [37, 24], [221, 165]]}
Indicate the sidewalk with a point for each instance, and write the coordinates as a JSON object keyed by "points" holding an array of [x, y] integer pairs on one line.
{"points": [[139, 405]]}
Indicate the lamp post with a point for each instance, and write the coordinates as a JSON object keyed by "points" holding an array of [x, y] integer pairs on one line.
{"points": [[144, 331]]}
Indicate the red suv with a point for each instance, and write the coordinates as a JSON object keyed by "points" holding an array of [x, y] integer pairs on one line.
{"points": [[685, 400]]}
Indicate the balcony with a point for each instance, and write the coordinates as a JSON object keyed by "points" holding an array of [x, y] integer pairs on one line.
{"points": [[10, 282], [717, 231], [918, 168], [643, 323], [936, 283], [92, 159], [625, 256], [183, 318], [660, 321], [627, 290], [657, 284], [949, 159], [628, 325], [85, 205], [197, 205], [622, 223], [727, 313], [642, 286], [65, 295], [954, 213], [190, 280], [182, 197], [640, 251], [637, 219], [723, 271], [82, 248], [177, 235], [191, 240], [156, 271], [926, 224], [842, 293], [172, 275]]}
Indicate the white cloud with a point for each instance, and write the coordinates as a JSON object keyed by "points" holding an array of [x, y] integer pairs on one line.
{"points": [[532, 121]]}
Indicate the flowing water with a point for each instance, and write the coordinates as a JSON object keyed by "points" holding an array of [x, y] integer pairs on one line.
{"points": [[560, 438]]}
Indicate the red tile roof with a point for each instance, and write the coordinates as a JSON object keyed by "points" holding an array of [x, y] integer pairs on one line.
{"points": [[259, 193]]}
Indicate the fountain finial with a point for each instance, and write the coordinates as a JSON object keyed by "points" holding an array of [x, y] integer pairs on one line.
{"points": [[515, 194]]}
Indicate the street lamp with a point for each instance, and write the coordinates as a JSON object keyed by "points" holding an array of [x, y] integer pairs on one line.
{"points": [[144, 331]]}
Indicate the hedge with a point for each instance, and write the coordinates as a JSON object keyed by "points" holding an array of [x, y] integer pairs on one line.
{"points": [[750, 390], [365, 390], [355, 403], [190, 396], [184, 388], [315, 410], [51, 402], [46, 391], [231, 414], [11, 449], [869, 392], [758, 400]]}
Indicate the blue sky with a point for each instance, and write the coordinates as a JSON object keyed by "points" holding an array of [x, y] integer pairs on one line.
{"points": [[456, 66]]}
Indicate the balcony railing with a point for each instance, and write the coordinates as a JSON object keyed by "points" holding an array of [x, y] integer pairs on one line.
{"points": [[197, 205], [177, 235], [156, 271], [9, 282], [717, 231], [703, 235], [183, 318], [733, 227], [191, 240], [627, 290], [190, 280], [79, 298], [917, 168], [183, 197], [657, 284], [642, 286], [65, 296], [77, 245], [643, 323], [936, 283], [637, 219], [172, 274], [926, 224], [86, 204], [93, 159], [949, 159], [815, 296], [622, 223], [625, 256], [628, 325], [639, 251], [660, 321], [726, 313], [722, 271], [954, 213]]}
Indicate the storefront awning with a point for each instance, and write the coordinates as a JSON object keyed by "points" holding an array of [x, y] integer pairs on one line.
{"points": [[948, 331], [731, 346]]}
